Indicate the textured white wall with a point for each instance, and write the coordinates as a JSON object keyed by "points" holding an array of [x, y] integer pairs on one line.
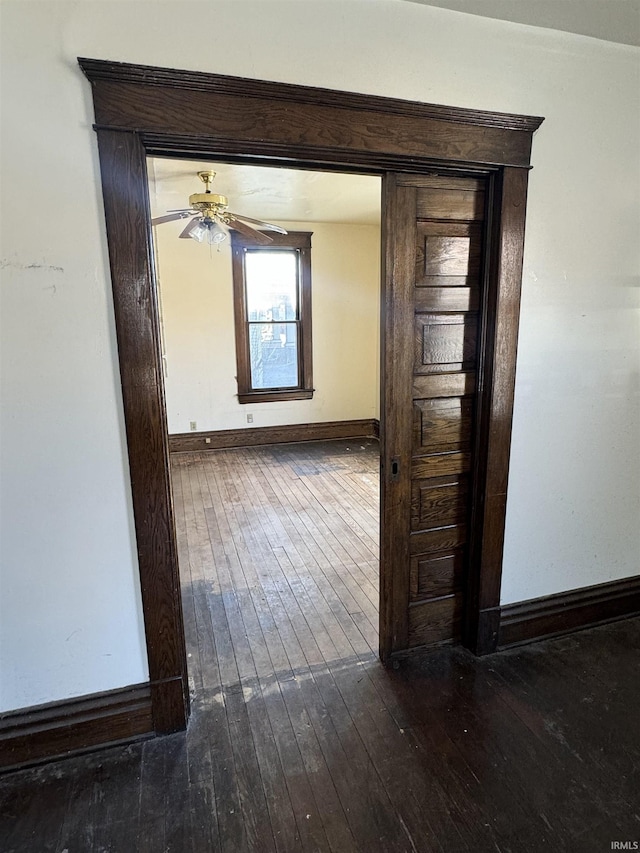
{"points": [[197, 308], [70, 620]]}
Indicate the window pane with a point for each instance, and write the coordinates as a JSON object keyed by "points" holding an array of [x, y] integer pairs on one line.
{"points": [[272, 285], [273, 351]]}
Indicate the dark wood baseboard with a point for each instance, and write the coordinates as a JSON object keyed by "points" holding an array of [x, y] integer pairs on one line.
{"points": [[290, 434], [566, 612], [60, 729]]}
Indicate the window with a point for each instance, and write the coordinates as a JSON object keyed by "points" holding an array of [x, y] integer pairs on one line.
{"points": [[272, 305]]}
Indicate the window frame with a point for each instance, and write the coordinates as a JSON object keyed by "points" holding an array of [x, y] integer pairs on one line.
{"points": [[299, 241]]}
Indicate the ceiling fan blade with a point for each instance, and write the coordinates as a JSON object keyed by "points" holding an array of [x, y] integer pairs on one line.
{"points": [[169, 217], [247, 230], [187, 231], [188, 210], [267, 225]]}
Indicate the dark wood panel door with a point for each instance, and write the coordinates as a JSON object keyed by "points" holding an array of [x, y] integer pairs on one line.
{"points": [[434, 248]]}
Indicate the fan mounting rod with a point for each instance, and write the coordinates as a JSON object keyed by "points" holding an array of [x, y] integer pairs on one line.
{"points": [[207, 177]]}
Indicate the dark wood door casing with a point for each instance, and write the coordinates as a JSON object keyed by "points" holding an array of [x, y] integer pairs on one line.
{"points": [[142, 111], [137, 330]]}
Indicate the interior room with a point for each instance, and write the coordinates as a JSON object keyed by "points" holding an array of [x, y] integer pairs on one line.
{"points": [[208, 655], [276, 501], [342, 214]]}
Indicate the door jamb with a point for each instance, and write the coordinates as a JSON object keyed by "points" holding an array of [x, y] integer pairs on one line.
{"points": [[142, 111]]}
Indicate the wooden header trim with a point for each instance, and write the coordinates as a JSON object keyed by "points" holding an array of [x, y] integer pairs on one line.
{"points": [[148, 75], [233, 115]]}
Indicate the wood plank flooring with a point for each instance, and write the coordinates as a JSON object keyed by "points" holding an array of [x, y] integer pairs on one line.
{"points": [[300, 740]]}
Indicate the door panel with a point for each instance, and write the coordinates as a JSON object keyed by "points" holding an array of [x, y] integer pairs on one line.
{"points": [[436, 622], [435, 575], [437, 501], [437, 465], [445, 343], [447, 299], [448, 254], [434, 257], [447, 385], [442, 539], [442, 425]]}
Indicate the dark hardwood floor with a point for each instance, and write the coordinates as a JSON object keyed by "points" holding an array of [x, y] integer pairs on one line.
{"points": [[300, 740]]}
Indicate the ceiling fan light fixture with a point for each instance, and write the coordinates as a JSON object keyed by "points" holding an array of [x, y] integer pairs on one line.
{"points": [[208, 231], [212, 219]]}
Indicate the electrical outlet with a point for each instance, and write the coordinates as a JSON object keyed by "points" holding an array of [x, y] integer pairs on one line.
{"points": [[249, 419], [193, 426]]}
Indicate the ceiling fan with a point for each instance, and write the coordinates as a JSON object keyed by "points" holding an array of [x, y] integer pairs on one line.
{"points": [[212, 219]]}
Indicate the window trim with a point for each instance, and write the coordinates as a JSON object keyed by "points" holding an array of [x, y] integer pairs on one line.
{"points": [[300, 241]]}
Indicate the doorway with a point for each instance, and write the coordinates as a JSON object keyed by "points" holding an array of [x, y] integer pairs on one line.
{"points": [[276, 502], [143, 111]]}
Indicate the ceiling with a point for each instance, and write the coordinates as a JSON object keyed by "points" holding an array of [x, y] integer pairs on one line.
{"points": [[610, 20], [270, 194]]}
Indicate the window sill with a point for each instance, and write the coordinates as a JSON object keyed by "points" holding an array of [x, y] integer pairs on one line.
{"points": [[275, 396]]}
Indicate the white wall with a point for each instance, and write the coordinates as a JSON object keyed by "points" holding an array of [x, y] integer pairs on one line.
{"points": [[70, 620], [197, 308]]}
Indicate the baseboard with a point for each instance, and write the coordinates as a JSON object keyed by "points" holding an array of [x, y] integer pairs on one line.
{"points": [[566, 612], [290, 434], [60, 729]]}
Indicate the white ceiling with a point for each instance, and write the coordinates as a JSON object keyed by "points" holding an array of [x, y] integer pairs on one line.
{"points": [[610, 20], [270, 194]]}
